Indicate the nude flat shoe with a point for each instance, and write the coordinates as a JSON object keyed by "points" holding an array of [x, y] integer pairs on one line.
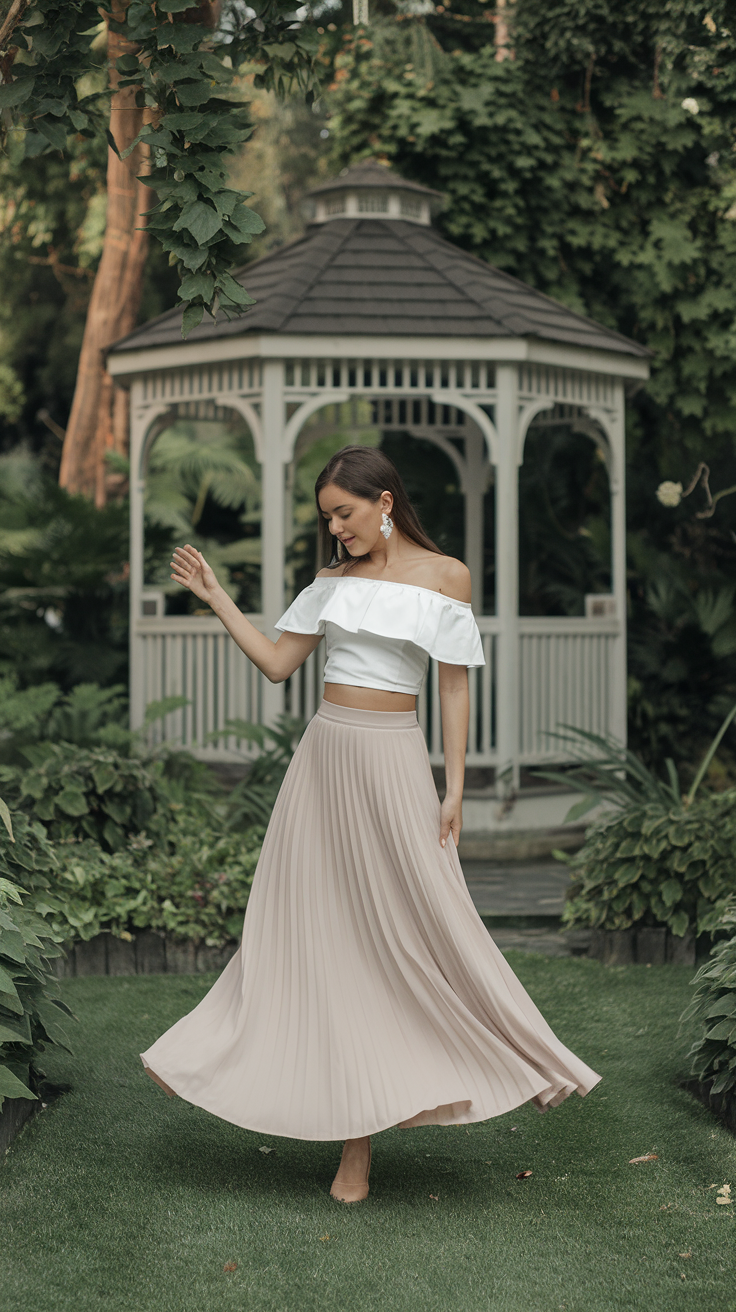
{"points": [[347, 1192]]}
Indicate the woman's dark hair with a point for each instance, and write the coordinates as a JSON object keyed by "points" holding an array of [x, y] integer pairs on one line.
{"points": [[366, 472]]}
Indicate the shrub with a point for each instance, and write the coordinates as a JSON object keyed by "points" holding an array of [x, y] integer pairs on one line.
{"points": [[660, 857], [655, 865], [103, 794], [31, 1011], [193, 885], [714, 1054]]}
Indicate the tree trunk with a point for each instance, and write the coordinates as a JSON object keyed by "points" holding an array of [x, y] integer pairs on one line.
{"points": [[98, 422]]}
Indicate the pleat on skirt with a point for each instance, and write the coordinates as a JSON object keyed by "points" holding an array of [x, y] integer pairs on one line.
{"points": [[366, 991]]}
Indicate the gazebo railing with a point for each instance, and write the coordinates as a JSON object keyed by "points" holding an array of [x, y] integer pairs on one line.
{"points": [[565, 676]]}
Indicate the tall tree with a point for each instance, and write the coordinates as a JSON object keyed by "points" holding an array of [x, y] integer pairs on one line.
{"points": [[98, 422]]}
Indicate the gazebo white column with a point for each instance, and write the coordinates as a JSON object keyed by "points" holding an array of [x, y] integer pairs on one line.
{"points": [[273, 519], [475, 482], [507, 573]]}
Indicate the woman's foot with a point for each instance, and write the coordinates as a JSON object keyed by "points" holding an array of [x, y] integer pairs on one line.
{"points": [[350, 1185]]}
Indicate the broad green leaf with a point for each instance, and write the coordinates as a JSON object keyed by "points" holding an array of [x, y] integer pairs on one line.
{"points": [[11, 1086], [723, 1007], [12, 946], [50, 1019], [197, 284], [72, 801], [55, 133], [190, 318], [13, 891], [722, 1030], [15, 93], [671, 892], [201, 220], [119, 811], [6, 819], [246, 220], [104, 776], [679, 923], [113, 835], [15, 1031], [233, 290]]}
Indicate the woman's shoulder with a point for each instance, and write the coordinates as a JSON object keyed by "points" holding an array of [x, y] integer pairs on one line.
{"points": [[454, 578], [443, 574], [327, 573]]}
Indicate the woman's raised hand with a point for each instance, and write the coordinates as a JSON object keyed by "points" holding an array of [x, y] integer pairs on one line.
{"points": [[192, 571]]}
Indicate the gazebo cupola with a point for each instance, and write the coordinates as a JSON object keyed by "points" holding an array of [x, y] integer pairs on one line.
{"points": [[371, 188], [373, 307]]}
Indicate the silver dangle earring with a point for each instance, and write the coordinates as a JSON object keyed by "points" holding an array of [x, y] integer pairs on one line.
{"points": [[387, 526]]}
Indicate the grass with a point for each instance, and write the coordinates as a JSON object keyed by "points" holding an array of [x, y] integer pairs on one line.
{"points": [[116, 1198]]}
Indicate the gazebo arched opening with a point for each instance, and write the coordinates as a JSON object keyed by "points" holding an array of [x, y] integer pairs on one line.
{"points": [[442, 457]]}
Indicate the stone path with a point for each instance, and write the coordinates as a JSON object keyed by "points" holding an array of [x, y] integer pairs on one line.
{"points": [[517, 888], [526, 893]]}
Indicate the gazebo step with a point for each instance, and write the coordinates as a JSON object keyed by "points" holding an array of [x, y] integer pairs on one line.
{"points": [[509, 845]]}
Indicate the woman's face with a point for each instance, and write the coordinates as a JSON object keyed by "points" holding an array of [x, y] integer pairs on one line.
{"points": [[354, 520]]}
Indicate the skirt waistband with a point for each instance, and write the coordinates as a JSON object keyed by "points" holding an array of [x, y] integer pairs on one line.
{"points": [[362, 719]]}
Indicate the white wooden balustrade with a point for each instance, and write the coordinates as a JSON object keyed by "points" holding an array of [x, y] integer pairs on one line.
{"points": [[566, 674]]}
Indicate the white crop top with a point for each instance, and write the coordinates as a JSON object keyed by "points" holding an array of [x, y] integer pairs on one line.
{"points": [[380, 634]]}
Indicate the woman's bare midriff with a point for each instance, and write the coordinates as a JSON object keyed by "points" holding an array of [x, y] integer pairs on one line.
{"points": [[369, 699]]}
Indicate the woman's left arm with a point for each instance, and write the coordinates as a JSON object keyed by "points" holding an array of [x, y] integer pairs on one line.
{"points": [[455, 704]]}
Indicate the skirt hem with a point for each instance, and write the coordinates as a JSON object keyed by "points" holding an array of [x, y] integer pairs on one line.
{"points": [[555, 1101]]}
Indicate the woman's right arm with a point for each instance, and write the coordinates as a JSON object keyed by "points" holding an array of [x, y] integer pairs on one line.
{"points": [[277, 660]]}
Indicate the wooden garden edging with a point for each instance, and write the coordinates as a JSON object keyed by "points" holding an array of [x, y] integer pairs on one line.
{"points": [[148, 953], [15, 1113], [647, 946]]}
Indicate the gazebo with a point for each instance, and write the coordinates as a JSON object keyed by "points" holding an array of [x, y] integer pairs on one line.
{"points": [[373, 305]]}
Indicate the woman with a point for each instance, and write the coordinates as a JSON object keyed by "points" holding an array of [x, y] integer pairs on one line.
{"points": [[366, 992]]}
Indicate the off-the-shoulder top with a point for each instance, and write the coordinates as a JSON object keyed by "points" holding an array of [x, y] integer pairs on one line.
{"points": [[380, 634]]}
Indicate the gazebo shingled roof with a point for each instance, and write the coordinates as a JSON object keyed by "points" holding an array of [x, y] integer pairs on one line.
{"points": [[361, 276]]}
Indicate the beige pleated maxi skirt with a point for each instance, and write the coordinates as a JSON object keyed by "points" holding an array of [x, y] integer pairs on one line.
{"points": [[366, 991]]}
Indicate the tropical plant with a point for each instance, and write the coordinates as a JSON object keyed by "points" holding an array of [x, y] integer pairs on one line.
{"points": [[63, 580], [203, 487], [658, 856], [31, 1011], [713, 1054], [252, 800], [105, 792], [87, 715], [654, 865], [682, 645]]}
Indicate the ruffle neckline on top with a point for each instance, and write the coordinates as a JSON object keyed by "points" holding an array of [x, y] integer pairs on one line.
{"points": [[442, 626]]}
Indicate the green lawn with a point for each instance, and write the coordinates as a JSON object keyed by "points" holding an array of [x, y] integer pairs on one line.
{"points": [[117, 1198]]}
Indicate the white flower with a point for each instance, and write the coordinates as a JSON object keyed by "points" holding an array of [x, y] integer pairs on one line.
{"points": [[691, 105], [669, 494]]}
